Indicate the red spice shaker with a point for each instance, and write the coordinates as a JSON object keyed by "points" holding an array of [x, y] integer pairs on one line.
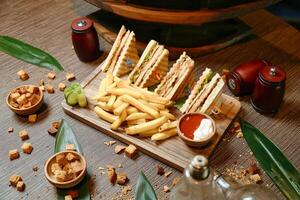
{"points": [[241, 80], [85, 39], [268, 90]]}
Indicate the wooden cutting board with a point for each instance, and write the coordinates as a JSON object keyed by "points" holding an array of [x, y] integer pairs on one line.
{"points": [[172, 151]]}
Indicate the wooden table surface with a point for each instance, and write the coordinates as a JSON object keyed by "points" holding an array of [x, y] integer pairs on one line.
{"points": [[46, 24]]}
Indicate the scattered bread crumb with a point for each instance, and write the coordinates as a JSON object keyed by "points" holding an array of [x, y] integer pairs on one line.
{"points": [[120, 165], [52, 131], [27, 148], [110, 143], [56, 124], [51, 75], [70, 77], [32, 118], [166, 189], [111, 174], [23, 134], [23, 75], [126, 189], [42, 88], [50, 89], [256, 178], [35, 168], [10, 129], [41, 82], [119, 149], [175, 181], [160, 170], [61, 86], [121, 178], [70, 147], [167, 174]]}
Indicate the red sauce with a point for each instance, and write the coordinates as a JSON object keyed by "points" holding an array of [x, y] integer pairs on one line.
{"points": [[189, 124]]}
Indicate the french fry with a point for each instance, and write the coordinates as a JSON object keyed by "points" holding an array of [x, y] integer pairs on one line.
{"points": [[164, 135], [105, 115], [99, 95], [158, 105], [168, 115], [111, 101], [117, 123], [103, 99], [139, 105], [121, 108], [123, 84], [138, 115], [117, 103], [102, 86], [117, 79], [152, 97], [123, 91], [146, 126], [148, 133], [135, 122], [131, 109], [103, 105], [167, 126], [147, 104], [110, 79]]}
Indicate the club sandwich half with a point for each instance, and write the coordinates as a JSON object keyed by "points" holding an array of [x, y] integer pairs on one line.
{"points": [[152, 66], [176, 79], [205, 93], [123, 55]]}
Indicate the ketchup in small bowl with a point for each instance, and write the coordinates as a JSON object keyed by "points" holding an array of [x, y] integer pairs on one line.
{"points": [[196, 129]]}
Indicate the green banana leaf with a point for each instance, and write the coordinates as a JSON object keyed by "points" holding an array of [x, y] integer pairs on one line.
{"points": [[144, 190], [273, 161], [66, 136], [28, 53]]}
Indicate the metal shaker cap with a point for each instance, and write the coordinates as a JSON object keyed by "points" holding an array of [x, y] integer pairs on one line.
{"points": [[198, 168]]}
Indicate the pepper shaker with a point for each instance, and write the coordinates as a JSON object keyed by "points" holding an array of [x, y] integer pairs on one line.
{"points": [[85, 39], [268, 90], [241, 80]]}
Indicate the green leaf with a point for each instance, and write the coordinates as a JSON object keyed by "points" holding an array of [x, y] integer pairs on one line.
{"points": [[179, 102], [66, 136], [273, 161], [144, 190], [28, 53]]}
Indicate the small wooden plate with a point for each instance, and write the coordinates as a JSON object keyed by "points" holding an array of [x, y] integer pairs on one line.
{"points": [[26, 111], [193, 143], [66, 184]]}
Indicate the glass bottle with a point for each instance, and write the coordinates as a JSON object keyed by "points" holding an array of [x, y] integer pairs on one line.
{"points": [[197, 183], [235, 191]]}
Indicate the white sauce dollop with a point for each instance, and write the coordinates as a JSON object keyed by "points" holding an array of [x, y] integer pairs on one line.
{"points": [[204, 131]]}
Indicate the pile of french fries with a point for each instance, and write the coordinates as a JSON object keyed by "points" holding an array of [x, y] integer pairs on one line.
{"points": [[146, 113]]}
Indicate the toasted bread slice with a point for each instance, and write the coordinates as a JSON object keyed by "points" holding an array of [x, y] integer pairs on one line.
{"points": [[198, 87], [155, 70], [128, 57], [114, 49]]}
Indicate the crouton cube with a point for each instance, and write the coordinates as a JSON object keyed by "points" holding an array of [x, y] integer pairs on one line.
{"points": [[51, 75], [121, 178], [73, 193], [61, 86], [20, 186], [10, 129], [27, 148], [23, 75], [15, 96], [60, 175], [77, 167], [52, 131], [70, 77], [256, 178], [30, 89], [32, 118], [71, 157], [50, 89], [70, 147], [68, 197], [56, 124], [55, 167], [42, 88], [23, 134], [69, 172], [13, 104], [131, 151], [14, 179], [119, 149], [27, 105], [111, 174], [61, 159], [13, 154], [22, 100], [27, 95]]}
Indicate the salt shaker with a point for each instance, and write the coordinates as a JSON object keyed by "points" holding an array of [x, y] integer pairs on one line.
{"points": [[268, 90], [241, 80], [85, 39]]}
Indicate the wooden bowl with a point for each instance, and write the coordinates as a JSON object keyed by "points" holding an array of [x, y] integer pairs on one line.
{"points": [[66, 184], [191, 142], [29, 110]]}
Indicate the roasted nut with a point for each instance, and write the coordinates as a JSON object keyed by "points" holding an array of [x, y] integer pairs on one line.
{"points": [[23, 75], [61, 86], [13, 154], [50, 89], [51, 75]]}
